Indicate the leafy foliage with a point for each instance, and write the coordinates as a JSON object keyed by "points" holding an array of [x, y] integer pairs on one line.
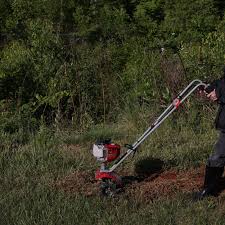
{"points": [[84, 61]]}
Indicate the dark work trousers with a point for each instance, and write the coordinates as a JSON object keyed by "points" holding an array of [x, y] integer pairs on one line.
{"points": [[217, 159]]}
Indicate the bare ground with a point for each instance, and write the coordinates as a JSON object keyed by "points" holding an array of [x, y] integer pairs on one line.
{"points": [[145, 186], [156, 185]]}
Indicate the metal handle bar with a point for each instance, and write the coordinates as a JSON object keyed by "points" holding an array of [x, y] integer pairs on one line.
{"points": [[181, 97], [171, 108], [167, 112]]}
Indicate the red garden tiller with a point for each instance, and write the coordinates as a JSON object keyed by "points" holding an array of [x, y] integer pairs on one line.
{"points": [[106, 151]]}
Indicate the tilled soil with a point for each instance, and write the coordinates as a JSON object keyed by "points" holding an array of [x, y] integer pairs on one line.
{"points": [[153, 186], [168, 183]]}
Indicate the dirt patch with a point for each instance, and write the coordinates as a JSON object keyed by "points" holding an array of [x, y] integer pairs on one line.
{"points": [[154, 186], [78, 182], [168, 183]]}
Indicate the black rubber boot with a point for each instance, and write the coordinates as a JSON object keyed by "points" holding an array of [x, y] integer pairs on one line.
{"points": [[211, 182]]}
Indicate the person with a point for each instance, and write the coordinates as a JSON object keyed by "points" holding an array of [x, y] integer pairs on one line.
{"points": [[215, 165]]}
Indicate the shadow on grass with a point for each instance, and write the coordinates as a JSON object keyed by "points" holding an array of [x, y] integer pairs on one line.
{"points": [[145, 169]]}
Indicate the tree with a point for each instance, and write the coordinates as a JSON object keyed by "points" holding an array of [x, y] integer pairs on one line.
{"points": [[189, 21]]}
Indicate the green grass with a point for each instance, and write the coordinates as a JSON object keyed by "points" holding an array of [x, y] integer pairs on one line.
{"points": [[27, 172], [38, 204]]}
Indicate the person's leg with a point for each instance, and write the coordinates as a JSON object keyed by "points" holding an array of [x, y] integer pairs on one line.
{"points": [[214, 169], [217, 159], [211, 182]]}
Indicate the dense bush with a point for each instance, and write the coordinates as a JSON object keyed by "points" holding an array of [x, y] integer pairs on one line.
{"points": [[84, 61]]}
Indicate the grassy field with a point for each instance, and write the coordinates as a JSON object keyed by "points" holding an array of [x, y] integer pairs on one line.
{"points": [[29, 171]]}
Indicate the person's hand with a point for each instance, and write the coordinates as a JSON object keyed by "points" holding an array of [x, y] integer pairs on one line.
{"points": [[212, 95]]}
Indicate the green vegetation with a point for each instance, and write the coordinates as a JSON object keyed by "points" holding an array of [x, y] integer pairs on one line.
{"points": [[75, 71], [28, 174]]}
